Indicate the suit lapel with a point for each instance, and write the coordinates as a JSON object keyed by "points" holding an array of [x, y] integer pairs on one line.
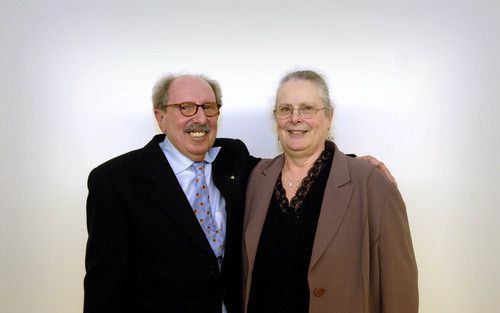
{"points": [[334, 207], [227, 180], [168, 195]]}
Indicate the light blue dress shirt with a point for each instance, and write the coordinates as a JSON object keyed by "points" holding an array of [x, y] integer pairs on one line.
{"points": [[181, 165]]}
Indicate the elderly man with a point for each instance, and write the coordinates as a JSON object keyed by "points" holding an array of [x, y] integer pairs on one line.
{"points": [[165, 221]]}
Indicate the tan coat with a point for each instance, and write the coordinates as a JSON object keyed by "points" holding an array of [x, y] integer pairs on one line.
{"points": [[362, 259]]}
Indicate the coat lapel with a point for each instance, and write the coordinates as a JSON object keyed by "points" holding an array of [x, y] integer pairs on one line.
{"points": [[259, 205], [168, 195], [334, 207]]}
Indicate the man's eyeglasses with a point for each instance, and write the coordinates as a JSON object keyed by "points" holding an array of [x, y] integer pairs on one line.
{"points": [[189, 108], [306, 111]]}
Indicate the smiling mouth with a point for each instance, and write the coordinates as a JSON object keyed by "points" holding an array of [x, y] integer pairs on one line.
{"points": [[297, 132], [197, 134]]}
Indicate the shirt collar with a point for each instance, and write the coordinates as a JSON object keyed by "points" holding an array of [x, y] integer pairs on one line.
{"points": [[178, 161]]}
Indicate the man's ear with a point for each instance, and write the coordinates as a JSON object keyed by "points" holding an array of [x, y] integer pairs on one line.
{"points": [[160, 119]]}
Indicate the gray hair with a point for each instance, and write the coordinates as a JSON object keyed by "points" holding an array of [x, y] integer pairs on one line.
{"points": [[314, 78], [160, 90]]}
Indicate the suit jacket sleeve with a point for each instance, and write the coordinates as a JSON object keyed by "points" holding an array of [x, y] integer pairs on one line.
{"points": [[107, 254]]}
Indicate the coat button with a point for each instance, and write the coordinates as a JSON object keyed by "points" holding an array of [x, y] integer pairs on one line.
{"points": [[319, 292]]}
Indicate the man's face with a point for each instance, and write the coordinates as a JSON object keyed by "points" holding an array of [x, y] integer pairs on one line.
{"points": [[182, 131]]}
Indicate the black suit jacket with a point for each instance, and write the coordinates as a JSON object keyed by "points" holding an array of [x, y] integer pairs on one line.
{"points": [[146, 252]]}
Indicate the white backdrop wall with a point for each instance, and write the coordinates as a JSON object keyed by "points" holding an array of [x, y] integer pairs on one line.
{"points": [[416, 83]]}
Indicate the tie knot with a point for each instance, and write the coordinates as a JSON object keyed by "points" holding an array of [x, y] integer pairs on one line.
{"points": [[198, 167]]}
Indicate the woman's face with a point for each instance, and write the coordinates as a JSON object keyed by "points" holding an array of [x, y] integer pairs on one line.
{"points": [[298, 135]]}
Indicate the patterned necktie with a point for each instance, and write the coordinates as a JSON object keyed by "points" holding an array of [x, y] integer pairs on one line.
{"points": [[204, 214]]}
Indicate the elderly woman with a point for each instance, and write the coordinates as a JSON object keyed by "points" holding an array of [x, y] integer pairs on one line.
{"points": [[323, 232]]}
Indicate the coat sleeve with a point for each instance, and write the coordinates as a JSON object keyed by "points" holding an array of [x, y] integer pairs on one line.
{"points": [[398, 269], [107, 254]]}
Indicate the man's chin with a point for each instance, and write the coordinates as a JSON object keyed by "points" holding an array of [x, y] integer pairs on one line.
{"points": [[199, 146]]}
